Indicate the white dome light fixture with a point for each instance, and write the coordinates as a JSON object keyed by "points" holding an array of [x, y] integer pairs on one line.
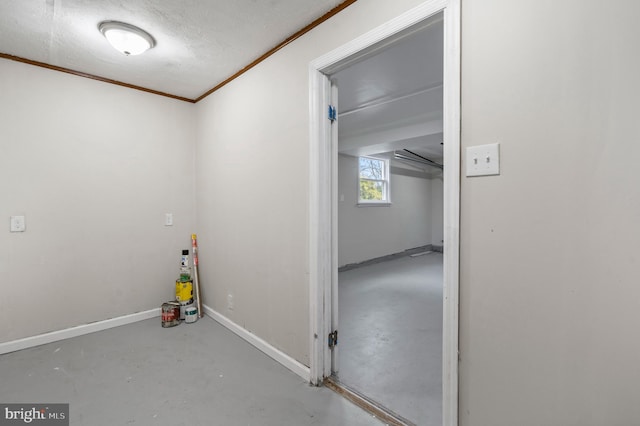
{"points": [[126, 38]]}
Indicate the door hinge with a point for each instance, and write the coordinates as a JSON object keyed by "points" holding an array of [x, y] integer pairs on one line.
{"points": [[333, 339], [333, 115]]}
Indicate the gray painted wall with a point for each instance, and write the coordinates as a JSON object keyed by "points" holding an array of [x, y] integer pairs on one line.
{"points": [[549, 249], [368, 232], [94, 168]]}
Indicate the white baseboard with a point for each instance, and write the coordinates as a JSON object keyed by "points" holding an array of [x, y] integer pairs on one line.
{"points": [[284, 359], [54, 336]]}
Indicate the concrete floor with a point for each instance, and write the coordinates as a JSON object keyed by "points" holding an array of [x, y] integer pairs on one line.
{"points": [[390, 335], [192, 374]]}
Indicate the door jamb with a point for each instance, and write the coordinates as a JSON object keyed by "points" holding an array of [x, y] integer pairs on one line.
{"points": [[321, 199]]}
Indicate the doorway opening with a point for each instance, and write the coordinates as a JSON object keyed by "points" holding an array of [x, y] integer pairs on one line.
{"points": [[403, 140], [390, 229]]}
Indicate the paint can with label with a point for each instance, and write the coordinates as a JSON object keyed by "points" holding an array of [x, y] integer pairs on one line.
{"points": [[184, 290], [191, 314], [170, 314], [184, 306]]}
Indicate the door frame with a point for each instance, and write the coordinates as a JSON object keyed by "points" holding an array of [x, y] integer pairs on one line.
{"points": [[323, 196]]}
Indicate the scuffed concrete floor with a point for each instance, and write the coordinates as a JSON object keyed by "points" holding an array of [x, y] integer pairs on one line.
{"points": [[192, 374], [390, 335]]}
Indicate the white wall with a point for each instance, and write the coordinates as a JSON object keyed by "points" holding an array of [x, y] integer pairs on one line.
{"points": [[368, 232], [253, 181], [93, 167], [550, 292]]}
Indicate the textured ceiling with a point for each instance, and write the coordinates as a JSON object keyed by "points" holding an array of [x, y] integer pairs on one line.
{"points": [[200, 43]]}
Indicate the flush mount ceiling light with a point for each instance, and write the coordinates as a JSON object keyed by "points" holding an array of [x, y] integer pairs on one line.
{"points": [[126, 38]]}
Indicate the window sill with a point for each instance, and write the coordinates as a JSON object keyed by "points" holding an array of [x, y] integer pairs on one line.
{"points": [[381, 204]]}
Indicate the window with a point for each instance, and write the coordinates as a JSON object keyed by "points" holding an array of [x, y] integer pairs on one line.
{"points": [[373, 181]]}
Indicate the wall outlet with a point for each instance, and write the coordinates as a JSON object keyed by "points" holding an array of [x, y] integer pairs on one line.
{"points": [[18, 224], [168, 219]]}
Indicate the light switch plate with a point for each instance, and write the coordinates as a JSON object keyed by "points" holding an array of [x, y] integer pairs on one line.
{"points": [[18, 224], [168, 219], [483, 160]]}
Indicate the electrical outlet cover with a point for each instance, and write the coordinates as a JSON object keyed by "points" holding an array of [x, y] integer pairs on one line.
{"points": [[18, 224]]}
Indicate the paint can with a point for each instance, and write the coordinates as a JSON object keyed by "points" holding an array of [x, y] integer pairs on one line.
{"points": [[190, 314], [185, 269], [170, 314], [183, 307], [184, 290]]}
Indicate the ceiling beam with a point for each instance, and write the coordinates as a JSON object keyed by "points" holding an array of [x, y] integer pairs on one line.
{"points": [[427, 133], [387, 100]]}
